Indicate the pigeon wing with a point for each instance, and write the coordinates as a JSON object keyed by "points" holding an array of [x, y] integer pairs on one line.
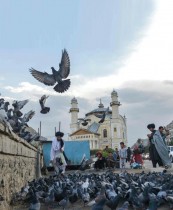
{"points": [[28, 116], [21, 104], [99, 115], [81, 119], [45, 78], [64, 66], [107, 111]]}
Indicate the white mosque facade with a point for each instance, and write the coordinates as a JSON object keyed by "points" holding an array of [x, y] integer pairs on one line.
{"points": [[109, 133]]}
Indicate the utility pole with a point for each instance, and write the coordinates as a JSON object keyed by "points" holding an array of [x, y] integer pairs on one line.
{"points": [[59, 126], [40, 128]]}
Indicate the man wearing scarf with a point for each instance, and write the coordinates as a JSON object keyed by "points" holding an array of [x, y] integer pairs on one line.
{"points": [[57, 153], [158, 150]]}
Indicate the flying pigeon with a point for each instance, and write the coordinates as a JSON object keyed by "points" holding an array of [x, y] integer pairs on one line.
{"points": [[102, 116], [18, 105], [27, 117], [85, 121], [42, 101], [56, 76]]}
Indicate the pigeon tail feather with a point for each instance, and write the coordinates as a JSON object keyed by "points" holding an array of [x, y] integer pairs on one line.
{"points": [[45, 110], [62, 86]]}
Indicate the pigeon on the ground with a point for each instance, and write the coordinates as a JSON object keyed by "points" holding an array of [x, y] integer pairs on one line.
{"points": [[56, 76], [125, 206]]}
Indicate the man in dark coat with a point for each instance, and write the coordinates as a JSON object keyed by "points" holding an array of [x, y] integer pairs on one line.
{"points": [[154, 155], [129, 152]]}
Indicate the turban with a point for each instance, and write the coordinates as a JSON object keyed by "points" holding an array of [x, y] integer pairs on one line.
{"points": [[151, 126], [59, 134]]}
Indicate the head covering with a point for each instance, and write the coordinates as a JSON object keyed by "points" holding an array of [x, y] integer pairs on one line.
{"points": [[152, 125], [99, 153], [59, 134]]}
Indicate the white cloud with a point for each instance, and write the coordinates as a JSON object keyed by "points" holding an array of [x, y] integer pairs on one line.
{"points": [[30, 91], [152, 59], [144, 70]]}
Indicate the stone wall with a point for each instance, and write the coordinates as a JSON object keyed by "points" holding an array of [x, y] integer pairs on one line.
{"points": [[18, 164]]}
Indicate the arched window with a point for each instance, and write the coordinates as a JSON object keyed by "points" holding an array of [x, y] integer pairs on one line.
{"points": [[105, 133]]}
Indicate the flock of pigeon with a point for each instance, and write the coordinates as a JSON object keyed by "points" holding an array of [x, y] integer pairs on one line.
{"points": [[93, 191], [14, 120]]}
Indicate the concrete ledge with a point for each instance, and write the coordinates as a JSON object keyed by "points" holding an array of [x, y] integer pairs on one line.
{"points": [[18, 164], [12, 144]]}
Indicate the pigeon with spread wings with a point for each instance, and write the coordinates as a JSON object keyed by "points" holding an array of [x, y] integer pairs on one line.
{"points": [[84, 121], [42, 101], [102, 116], [18, 105], [56, 76]]}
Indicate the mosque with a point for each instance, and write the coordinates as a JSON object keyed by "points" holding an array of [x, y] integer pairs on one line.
{"points": [[109, 133]]}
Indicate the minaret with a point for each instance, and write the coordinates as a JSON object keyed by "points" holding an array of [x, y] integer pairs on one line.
{"points": [[115, 105], [74, 115], [101, 105]]}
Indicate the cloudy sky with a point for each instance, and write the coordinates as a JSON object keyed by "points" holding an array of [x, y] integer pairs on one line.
{"points": [[122, 45]]}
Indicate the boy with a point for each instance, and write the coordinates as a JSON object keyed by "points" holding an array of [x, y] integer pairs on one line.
{"points": [[122, 155]]}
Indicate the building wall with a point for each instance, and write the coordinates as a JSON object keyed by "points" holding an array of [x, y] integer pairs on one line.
{"points": [[116, 132], [92, 138], [18, 160]]}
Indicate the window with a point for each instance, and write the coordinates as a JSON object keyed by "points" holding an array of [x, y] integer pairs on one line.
{"points": [[105, 133], [115, 129]]}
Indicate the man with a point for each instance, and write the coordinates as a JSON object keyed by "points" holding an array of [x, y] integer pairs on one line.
{"points": [[158, 150], [129, 152], [154, 156], [56, 155], [122, 155], [106, 148], [110, 161], [163, 133]]}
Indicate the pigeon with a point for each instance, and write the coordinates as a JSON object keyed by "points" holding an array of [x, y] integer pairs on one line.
{"points": [[153, 202], [112, 204], [6, 104], [125, 206], [84, 121], [1, 101], [35, 204], [102, 116], [4, 119], [18, 105], [63, 203], [42, 101], [100, 200], [56, 76], [27, 117]]}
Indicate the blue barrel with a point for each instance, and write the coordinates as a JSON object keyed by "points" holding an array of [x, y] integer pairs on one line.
{"points": [[74, 150]]}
